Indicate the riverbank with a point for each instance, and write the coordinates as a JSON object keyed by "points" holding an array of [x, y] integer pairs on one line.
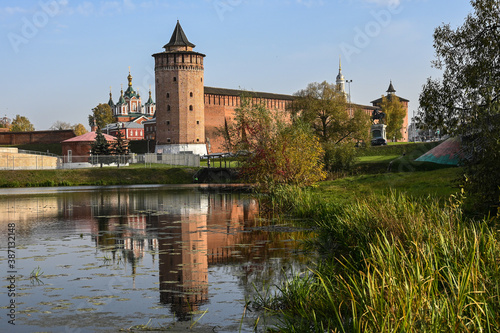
{"points": [[96, 176]]}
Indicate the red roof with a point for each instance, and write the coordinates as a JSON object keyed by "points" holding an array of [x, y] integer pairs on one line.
{"points": [[89, 137]]}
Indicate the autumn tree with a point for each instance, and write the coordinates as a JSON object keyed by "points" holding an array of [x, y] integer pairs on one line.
{"points": [[79, 129], [21, 124], [279, 151], [465, 101], [395, 113], [101, 116]]}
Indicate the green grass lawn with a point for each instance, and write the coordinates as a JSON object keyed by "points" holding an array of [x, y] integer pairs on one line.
{"points": [[439, 183]]}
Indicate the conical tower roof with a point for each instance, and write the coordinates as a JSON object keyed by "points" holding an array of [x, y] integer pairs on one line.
{"points": [[391, 89], [178, 38]]}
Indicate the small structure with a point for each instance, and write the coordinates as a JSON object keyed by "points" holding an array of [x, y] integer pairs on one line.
{"points": [[77, 149], [449, 152]]}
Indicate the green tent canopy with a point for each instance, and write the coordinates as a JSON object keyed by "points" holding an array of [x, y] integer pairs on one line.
{"points": [[448, 152]]}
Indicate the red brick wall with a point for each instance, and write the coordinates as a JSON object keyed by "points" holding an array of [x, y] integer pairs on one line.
{"points": [[222, 107], [19, 138]]}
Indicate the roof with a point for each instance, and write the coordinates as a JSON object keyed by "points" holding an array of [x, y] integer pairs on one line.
{"points": [[178, 38], [391, 88], [89, 137], [235, 92], [379, 100], [449, 152], [130, 124]]}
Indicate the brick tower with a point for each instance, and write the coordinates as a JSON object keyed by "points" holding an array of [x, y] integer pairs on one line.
{"points": [[180, 108]]}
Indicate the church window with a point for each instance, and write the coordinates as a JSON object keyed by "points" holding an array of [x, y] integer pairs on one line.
{"points": [[201, 79], [168, 122], [190, 108], [168, 95], [168, 107], [175, 79], [190, 94], [197, 122]]}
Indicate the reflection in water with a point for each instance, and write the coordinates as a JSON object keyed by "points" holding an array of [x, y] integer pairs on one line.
{"points": [[186, 231]]}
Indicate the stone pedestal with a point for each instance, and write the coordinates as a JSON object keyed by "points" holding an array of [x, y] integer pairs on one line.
{"points": [[379, 131]]}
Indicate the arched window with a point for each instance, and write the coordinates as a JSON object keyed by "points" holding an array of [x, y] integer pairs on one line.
{"points": [[190, 108], [190, 94], [168, 107], [168, 95]]}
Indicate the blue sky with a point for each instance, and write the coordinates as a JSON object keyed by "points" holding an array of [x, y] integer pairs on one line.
{"points": [[59, 57]]}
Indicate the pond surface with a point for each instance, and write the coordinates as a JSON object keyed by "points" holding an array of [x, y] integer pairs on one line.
{"points": [[102, 259]]}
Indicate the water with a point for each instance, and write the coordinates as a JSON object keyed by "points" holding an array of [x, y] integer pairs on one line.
{"points": [[111, 258]]}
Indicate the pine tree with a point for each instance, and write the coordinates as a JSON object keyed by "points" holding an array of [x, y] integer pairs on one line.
{"points": [[100, 147], [120, 147]]}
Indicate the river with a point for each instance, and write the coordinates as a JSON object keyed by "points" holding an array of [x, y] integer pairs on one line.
{"points": [[104, 259]]}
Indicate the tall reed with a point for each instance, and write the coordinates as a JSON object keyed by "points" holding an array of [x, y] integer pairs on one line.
{"points": [[393, 264]]}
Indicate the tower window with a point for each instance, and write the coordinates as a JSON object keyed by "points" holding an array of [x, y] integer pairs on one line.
{"points": [[168, 139], [175, 79], [168, 122], [197, 122], [190, 108], [197, 140], [168, 95], [168, 107], [190, 94]]}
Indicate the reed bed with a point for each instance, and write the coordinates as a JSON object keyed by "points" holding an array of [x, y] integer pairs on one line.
{"points": [[391, 264]]}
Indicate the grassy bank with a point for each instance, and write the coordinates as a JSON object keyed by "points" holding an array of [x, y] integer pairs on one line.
{"points": [[96, 176], [390, 263]]}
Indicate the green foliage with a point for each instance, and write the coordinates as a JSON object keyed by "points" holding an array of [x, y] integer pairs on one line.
{"points": [[101, 116], [395, 113], [465, 101], [120, 147], [100, 149], [391, 264], [339, 157], [21, 124], [278, 151], [325, 108]]}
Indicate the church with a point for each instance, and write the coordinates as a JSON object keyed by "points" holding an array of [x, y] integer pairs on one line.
{"points": [[187, 114]]}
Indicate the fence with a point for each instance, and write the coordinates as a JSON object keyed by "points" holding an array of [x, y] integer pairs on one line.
{"points": [[42, 161]]}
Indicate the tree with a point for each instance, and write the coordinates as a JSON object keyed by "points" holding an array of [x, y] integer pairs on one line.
{"points": [[326, 109], [101, 116], [395, 113], [120, 147], [465, 100], [79, 129], [99, 148], [60, 125], [278, 151], [21, 124]]}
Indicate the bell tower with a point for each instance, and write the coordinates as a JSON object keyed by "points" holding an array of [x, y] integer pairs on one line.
{"points": [[180, 108]]}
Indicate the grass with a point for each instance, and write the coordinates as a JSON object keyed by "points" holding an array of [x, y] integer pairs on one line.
{"points": [[391, 263], [96, 176]]}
